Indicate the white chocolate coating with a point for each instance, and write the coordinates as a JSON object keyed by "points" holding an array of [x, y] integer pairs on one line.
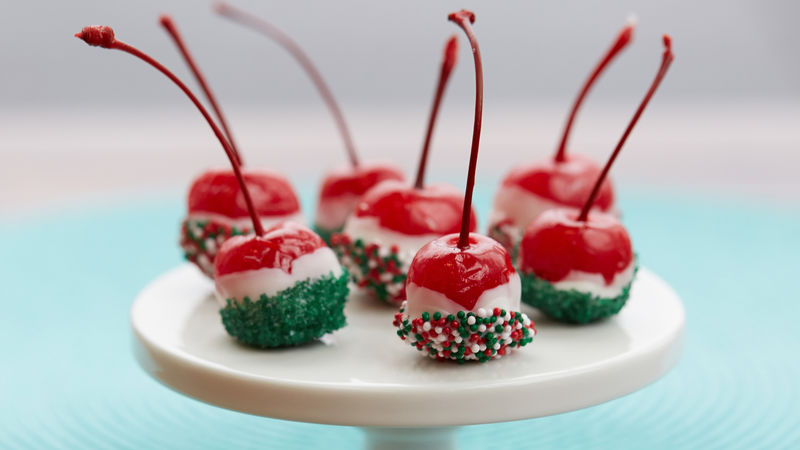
{"points": [[370, 232], [421, 299], [245, 222], [593, 283], [333, 212], [520, 206], [270, 281]]}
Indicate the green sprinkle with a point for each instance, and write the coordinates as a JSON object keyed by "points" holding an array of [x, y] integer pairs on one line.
{"points": [[294, 316], [570, 306]]}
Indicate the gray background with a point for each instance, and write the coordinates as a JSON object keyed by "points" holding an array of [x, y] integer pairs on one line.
{"points": [[80, 123], [375, 52]]}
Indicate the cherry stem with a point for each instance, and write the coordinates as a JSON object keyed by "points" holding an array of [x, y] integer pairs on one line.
{"points": [[169, 25], [623, 39], [449, 60], [666, 60], [104, 37], [262, 26], [464, 19]]}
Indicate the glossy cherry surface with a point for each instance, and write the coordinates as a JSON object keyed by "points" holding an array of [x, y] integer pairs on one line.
{"points": [[357, 180], [557, 243], [434, 209], [462, 275], [567, 183], [218, 192], [276, 249]]}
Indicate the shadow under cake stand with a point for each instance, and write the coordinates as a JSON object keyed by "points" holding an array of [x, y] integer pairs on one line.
{"points": [[363, 375]]}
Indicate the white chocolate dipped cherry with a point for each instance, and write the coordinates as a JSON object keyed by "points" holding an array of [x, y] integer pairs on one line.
{"points": [[390, 224], [281, 288], [216, 210], [268, 321], [343, 187], [575, 270], [463, 303], [215, 207], [394, 219], [462, 292], [564, 180], [578, 266]]}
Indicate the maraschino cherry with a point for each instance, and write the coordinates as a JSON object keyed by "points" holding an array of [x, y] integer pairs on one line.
{"points": [[394, 219], [216, 205], [463, 294], [578, 266], [563, 180], [280, 287], [342, 187]]}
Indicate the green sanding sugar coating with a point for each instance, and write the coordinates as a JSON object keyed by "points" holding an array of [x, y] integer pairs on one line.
{"points": [[570, 305], [294, 316], [326, 233]]}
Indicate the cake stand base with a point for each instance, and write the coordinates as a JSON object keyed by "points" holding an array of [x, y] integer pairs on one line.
{"points": [[379, 438], [364, 376]]}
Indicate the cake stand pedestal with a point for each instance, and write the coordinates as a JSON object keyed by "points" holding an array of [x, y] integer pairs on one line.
{"points": [[363, 375]]}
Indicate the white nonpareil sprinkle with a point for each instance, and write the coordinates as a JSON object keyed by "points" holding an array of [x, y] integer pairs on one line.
{"points": [[471, 320]]}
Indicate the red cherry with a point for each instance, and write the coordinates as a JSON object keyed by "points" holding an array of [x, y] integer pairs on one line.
{"points": [[342, 189], [278, 247], [566, 183], [104, 36], [463, 266], [567, 178], [421, 210], [461, 274], [562, 240], [557, 243], [218, 192], [434, 209]]}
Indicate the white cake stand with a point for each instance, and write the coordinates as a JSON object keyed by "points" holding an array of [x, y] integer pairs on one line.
{"points": [[365, 376]]}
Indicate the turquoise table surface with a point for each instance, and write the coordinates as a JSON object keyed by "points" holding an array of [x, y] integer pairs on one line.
{"points": [[69, 380]]}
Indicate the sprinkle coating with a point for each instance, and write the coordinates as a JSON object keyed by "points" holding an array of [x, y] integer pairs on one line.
{"points": [[373, 267], [201, 239], [465, 336], [570, 306], [294, 316]]}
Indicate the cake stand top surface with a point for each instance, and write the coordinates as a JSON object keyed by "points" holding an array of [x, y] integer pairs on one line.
{"points": [[364, 375]]}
